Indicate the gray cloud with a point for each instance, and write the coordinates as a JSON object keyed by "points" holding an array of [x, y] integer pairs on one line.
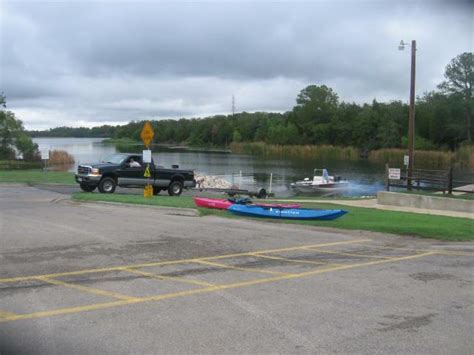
{"points": [[92, 62]]}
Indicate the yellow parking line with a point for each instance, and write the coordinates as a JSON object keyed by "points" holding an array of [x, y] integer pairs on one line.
{"points": [[4, 314], [69, 310], [171, 262], [402, 249], [204, 290], [286, 249], [437, 251], [293, 260], [225, 266], [86, 289], [172, 278], [454, 253], [347, 254]]}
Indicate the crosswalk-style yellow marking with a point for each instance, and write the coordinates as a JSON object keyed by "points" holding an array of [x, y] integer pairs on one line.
{"points": [[216, 288]]}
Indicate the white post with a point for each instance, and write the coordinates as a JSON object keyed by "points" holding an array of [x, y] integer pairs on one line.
{"points": [[240, 180], [271, 179]]}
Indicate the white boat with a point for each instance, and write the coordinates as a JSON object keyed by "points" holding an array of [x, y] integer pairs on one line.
{"points": [[322, 182]]}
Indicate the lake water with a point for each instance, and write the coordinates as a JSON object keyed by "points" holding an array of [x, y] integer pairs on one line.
{"points": [[365, 178]]}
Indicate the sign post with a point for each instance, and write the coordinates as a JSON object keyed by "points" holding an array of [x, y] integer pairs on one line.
{"points": [[147, 135], [45, 159]]}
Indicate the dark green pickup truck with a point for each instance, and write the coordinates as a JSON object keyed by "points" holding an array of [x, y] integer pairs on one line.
{"points": [[128, 170]]}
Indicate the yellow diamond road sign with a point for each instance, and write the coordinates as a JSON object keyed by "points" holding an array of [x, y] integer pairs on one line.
{"points": [[147, 134]]}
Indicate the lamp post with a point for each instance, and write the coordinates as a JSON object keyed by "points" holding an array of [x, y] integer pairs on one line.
{"points": [[411, 115]]}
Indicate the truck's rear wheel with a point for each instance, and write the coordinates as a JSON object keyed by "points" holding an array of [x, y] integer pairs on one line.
{"points": [[87, 188], [107, 185], [175, 188]]}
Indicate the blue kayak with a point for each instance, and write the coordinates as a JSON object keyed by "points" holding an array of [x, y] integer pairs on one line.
{"points": [[287, 213]]}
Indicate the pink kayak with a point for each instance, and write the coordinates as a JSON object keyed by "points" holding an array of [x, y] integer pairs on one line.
{"points": [[223, 204], [218, 203]]}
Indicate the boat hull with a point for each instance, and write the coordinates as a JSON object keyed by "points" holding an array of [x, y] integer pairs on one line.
{"points": [[217, 203], [277, 205], [321, 188], [223, 204], [286, 213]]}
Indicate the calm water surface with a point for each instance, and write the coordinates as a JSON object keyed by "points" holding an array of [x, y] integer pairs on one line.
{"points": [[365, 178]]}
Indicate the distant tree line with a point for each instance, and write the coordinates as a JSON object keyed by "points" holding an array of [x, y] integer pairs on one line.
{"points": [[78, 132], [443, 120]]}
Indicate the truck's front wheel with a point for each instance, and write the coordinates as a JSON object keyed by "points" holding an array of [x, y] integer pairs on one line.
{"points": [[87, 188], [107, 185], [175, 188]]}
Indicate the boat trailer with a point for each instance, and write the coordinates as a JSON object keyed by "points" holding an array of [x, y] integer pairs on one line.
{"points": [[261, 193]]}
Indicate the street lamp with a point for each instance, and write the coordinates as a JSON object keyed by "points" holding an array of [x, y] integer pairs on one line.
{"points": [[411, 115]]}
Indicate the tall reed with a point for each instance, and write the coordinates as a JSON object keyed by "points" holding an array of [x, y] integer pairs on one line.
{"points": [[429, 159], [423, 158], [57, 157], [465, 156], [297, 151]]}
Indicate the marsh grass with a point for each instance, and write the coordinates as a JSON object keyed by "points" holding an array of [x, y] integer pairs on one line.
{"points": [[463, 158], [60, 157], [297, 151], [423, 158]]}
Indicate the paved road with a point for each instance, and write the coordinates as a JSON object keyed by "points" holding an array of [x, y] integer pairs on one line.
{"points": [[90, 278]]}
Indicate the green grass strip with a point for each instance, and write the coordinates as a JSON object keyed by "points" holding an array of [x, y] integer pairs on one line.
{"points": [[163, 201], [402, 223], [36, 177]]}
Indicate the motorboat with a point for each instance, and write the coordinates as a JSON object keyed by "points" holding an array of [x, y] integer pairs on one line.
{"points": [[322, 182]]}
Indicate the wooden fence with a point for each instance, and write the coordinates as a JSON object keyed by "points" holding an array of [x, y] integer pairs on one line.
{"points": [[432, 180]]}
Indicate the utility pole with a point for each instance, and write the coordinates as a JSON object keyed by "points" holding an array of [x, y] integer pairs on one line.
{"points": [[233, 105], [411, 118], [411, 115]]}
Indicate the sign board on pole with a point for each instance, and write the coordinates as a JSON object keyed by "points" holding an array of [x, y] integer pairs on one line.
{"points": [[45, 154], [147, 134], [147, 156], [406, 160], [394, 174]]}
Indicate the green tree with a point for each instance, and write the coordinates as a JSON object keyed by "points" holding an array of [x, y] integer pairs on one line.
{"points": [[315, 107], [281, 134], [236, 136], [440, 119], [13, 138], [459, 76]]}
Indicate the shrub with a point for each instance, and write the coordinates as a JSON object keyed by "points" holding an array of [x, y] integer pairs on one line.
{"points": [[57, 157]]}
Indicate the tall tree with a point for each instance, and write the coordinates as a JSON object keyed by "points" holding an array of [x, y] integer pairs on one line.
{"points": [[13, 138], [459, 76], [314, 110]]}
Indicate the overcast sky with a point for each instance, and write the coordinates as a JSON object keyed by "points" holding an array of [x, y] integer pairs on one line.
{"points": [[88, 63]]}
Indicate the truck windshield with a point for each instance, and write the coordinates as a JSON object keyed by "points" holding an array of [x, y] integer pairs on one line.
{"points": [[116, 158]]}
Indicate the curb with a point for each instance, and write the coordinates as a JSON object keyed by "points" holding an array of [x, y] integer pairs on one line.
{"points": [[177, 211]]}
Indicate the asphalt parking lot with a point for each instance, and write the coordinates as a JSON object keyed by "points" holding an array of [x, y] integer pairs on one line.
{"points": [[93, 278]]}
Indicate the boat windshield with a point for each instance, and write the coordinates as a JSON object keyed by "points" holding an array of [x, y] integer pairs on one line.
{"points": [[320, 172]]}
